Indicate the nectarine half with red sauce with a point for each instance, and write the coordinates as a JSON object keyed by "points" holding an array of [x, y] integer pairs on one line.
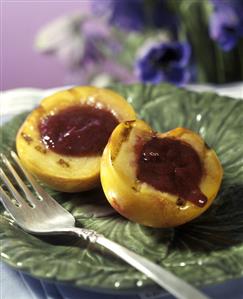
{"points": [[159, 180]]}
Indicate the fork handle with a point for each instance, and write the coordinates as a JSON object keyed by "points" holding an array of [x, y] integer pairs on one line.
{"points": [[173, 284]]}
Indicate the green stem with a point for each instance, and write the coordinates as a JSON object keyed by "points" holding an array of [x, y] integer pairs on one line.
{"points": [[240, 55], [220, 65]]}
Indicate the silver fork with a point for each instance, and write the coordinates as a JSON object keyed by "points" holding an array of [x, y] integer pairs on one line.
{"points": [[41, 214]]}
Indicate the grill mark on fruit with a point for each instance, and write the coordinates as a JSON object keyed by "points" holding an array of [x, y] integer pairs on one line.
{"points": [[40, 149], [129, 123], [40, 109], [74, 92], [134, 189], [124, 135], [26, 137], [180, 201], [63, 163]]}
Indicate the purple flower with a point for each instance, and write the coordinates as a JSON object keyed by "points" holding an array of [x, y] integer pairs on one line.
{"points": [[125, 14], [226, 23], [135, 15], [128, 14], [165, 61], [161, 17], [236, 4]]}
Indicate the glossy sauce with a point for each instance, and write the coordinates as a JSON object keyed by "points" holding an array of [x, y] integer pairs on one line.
{"points": [[172, 166], [78, 130]]}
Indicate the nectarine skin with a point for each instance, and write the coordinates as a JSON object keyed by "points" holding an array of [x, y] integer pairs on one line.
{"points": [[139, 201]]}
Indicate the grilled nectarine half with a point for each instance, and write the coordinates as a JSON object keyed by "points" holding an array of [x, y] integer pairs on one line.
{"points": [[62, 140], [159, 180]]}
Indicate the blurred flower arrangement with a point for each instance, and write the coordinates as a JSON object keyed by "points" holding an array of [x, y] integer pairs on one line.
{"points": [[177, 41]]}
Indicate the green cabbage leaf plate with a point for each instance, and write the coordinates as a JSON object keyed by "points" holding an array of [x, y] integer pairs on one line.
{"points": [[205, 251]]}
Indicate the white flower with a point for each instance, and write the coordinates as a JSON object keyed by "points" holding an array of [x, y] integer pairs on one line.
{"points": [[63, 36]]}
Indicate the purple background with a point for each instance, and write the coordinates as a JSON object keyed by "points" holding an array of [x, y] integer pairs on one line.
{"points": [[21, 64]]}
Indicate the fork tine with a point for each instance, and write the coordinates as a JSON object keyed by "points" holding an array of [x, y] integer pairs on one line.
{"points": [[38, 189], [12, 189], [42, 194], [29, 196], [46, 199], [6, 200]]}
